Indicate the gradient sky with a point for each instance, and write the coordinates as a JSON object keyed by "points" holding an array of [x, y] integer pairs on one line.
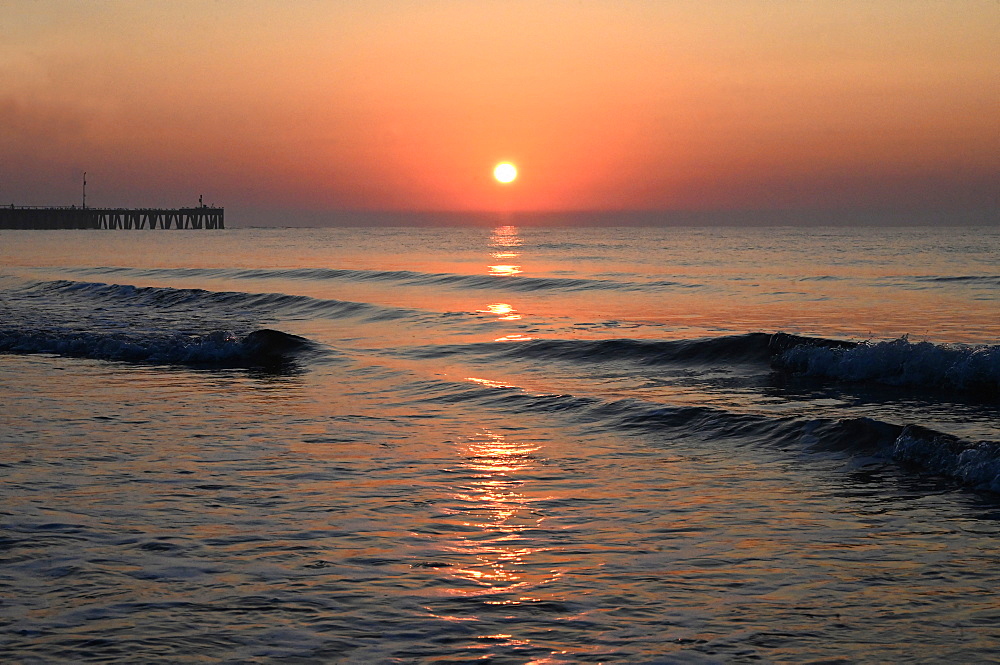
{"points": [[405, 105]]}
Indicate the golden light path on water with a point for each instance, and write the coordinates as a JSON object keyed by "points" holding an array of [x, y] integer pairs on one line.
{"points": [[503, 311], [505, 270], [498, 513], [505, 242], [494, 504]]}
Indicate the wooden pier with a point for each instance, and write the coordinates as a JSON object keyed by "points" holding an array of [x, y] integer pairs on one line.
{"points": [[29, 217]]}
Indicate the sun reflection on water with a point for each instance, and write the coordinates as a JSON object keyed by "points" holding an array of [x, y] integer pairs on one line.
{"points": [[505, 237], [505, 270], [498, 517], [504, 241], [489, 383], [503, 311], [514, 337]]}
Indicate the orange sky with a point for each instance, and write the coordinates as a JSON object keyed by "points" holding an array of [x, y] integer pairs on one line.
{"points": [[407, 105]]}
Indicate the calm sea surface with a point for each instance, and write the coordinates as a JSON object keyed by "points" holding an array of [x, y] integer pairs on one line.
{"points": [[510, 445]]}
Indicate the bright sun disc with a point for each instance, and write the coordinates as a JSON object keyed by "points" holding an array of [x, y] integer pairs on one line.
{"points": [[505, 172]]}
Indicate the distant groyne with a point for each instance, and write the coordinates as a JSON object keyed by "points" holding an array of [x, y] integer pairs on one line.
{"points": [[72, 217]]}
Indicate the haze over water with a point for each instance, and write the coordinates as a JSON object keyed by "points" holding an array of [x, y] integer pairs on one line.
{"points": [[510, 444]]}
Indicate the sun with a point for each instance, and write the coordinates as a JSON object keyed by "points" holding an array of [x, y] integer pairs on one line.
{"points": [[505, 172]]}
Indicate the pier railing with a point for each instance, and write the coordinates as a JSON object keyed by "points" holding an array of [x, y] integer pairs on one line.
{"points": [[72, 217]]}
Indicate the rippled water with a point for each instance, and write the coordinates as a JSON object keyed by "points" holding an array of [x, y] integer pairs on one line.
{"points": [[517, 445]]}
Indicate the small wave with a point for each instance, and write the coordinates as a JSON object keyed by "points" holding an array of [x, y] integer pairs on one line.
{"points": [[747, 348], [971, 464], [519, 283], [217, 349], [976, 464], [823, 278], [985, 280], [237, 301], [899, 363], [752, 347]]}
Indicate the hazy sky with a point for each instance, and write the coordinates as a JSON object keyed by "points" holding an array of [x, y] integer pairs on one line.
{"points": [[406, 105]]}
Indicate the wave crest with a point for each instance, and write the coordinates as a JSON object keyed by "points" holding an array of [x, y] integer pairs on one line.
{"points": [[971, 464], [216, 349], [899, 363], [976, 464], [518, 283]]}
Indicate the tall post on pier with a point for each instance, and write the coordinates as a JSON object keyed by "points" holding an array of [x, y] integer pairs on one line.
{"points": [[85, 190]]}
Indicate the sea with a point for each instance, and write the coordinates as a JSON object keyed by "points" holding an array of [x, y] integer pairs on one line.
{"points": [[506, 444]]}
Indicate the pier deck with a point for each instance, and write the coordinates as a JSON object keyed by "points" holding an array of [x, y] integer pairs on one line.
{"points": [[29, 217]]}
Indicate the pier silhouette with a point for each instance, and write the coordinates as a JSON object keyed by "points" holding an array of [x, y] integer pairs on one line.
{"points": [[73, 217]]}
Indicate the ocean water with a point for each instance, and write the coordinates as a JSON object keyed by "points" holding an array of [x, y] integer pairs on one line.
{"points": [[507, 445]]}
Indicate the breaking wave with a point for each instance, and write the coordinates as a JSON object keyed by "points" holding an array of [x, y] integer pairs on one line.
{"points": [[973, 464], [259, 348], [899, 363]]}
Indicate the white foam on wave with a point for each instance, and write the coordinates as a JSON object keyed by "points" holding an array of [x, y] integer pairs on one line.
{"points": [[900, 363], [974, 464]]}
